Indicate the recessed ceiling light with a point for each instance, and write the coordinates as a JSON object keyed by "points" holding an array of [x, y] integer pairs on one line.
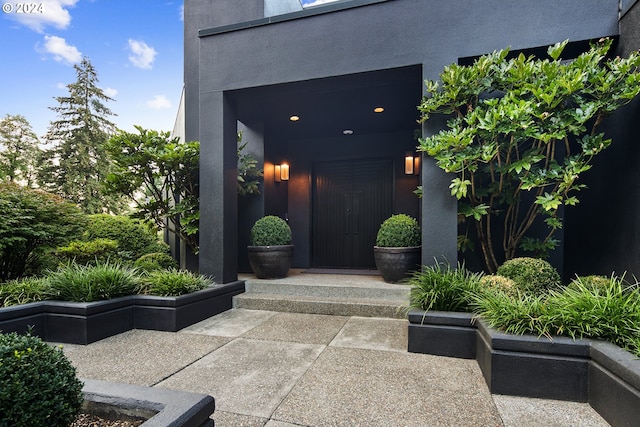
{"points": [[294, 118], [378, 110], [347, 132]]}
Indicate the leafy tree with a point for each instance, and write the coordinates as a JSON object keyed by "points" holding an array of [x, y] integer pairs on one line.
{"points": [[19, 150], [32, 221], [248, 172], [522, 132], [159, 174], [77, 166]]}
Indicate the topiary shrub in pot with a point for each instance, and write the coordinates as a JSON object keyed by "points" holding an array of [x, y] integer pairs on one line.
{"points": [[398, 250], [38, 385], [271, 251]]}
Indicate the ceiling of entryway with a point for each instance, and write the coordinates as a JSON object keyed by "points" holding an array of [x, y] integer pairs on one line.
{"points": [[329, 106]]}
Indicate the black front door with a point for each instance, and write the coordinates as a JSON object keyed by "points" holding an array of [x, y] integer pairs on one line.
{"points": [[350, 201]]}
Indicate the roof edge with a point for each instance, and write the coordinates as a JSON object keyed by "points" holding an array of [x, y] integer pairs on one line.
{"points": [[312, 11]]}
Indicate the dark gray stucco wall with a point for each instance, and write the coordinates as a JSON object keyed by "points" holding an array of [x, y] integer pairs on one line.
{"points": [[603, 231], [383, 35]]}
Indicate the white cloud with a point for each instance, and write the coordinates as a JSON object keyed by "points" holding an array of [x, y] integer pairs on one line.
{"points": [[159, 102], [182, 13], [61, 86], [142, 55], [110, 92], [42, 14], [61, 51]]}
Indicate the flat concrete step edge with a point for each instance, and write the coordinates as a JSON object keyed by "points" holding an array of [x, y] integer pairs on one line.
{"points": [[315, 305], [329, 291]]}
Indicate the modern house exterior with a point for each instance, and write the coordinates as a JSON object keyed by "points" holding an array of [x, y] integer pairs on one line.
{"points": [[326, 96]]}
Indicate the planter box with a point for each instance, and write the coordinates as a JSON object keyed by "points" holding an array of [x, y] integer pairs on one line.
{"points": [[173, 314], [84, 323], [597, 372], [442, 333], [533, 367], [162, 407], [614, 384]]}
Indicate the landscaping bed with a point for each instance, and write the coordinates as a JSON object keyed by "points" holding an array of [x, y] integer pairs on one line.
{"points": [[158, 407], [87, 322], [561, 368]]}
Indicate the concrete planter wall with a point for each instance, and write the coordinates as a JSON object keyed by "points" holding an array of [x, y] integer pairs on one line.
{"points": [[592, 371], [162, 407], [84, 323], [442, 333]]}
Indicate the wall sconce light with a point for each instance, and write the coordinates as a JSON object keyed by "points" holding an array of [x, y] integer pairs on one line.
{"points": [[281, 172], [411, 164]]}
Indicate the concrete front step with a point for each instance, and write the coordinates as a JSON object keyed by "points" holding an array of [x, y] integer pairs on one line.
{"points": [[374, 291], [321, 305]]}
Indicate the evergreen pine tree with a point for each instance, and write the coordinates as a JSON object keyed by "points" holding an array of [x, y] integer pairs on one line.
{"points": [[77, 164], [19, 151]]}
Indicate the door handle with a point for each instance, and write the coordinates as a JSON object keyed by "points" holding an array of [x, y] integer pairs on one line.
{"points": [[347, 220]]}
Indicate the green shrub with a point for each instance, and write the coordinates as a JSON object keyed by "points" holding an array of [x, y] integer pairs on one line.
{"points": [[495, 283], [399, 231], [607, 311], [531, 275], [590, 281], [172, 282], [98, 250], [442, 288], [134, 237], [32, 221], [84, 283], [270, 231], [520, 315], [38, 385], [155, 261], [23, 291]]}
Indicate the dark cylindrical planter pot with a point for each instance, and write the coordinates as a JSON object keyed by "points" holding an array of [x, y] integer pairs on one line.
{"points": [[270, 262], [395, 263]]}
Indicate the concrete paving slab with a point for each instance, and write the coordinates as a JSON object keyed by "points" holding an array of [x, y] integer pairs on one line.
{"points": [[231, 323], [525, 412], [280, 424], [357, 387], [299, 327], [139, 357], [229, 419], [246, 376], [374, 334]]}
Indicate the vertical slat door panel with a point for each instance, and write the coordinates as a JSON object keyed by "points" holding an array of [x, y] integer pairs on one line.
{"points": [[350, 201]]}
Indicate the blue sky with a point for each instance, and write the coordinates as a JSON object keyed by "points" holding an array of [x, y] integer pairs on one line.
{"points": [[136, 47]]}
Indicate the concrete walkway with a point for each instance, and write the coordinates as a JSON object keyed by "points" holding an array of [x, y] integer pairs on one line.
{"points": [[288, 369]]}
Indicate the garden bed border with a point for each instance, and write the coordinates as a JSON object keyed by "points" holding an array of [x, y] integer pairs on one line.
{"points": [[87, 322], [583, 370], [164, 407]]}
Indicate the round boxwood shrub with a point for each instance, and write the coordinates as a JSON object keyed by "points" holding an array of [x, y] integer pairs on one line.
{"points": [[531, 275], [155, 261], [38, 385], [591, 282], [399, 231], [270, 231], [500, 284]]}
